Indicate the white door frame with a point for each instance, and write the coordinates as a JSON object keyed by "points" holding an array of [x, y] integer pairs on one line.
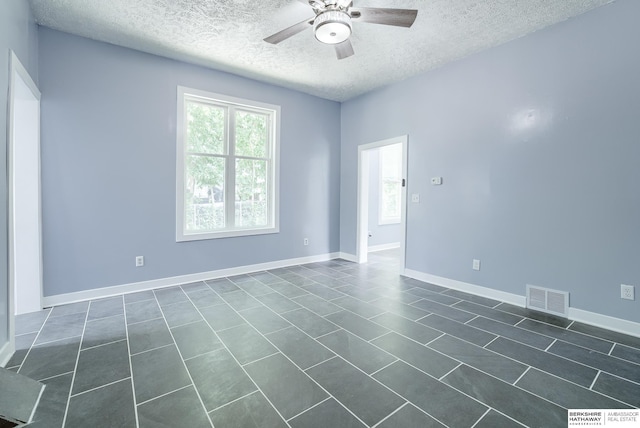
{"points": [[362, 212], [19, 78]]}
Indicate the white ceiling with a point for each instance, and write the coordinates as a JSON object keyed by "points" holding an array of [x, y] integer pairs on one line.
{"points": [[227, 35]]}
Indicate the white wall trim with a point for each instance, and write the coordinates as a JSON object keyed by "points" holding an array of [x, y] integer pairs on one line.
{"points": [[598, 320], [98, 293], [348, 257], [17, 73], [383, 247], [6, 353]]}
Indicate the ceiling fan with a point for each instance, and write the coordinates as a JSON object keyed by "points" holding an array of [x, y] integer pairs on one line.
{"points": [[332, 23]]}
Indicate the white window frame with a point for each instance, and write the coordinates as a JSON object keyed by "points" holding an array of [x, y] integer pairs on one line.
{"points": [[273, 111], [383, 220]]}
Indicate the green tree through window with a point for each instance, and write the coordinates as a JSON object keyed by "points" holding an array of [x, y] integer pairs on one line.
{"points": [[228, 167]]}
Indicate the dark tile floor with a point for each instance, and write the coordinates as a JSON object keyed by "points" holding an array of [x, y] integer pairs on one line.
{"points": [[330, 344]]}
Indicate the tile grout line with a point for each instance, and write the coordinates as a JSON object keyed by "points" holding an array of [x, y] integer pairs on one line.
{"points": [[98, 387], [434, 339], [186, 368], [579, 333], [520, 322], [375, 338], [107, 317], [321, 362], [54, 376], [234, 357], [594, 380], [34, 340], [261, 358], [559, 377], [488, 374], [150, 319], [622, 378], [53, 341], [550, 345], [235, 400], [555, 339], [102, 344], [446, 374], [75, 367], [491, 341], [152, 349], [126, 332], [292, 362], [391, 414], [163, 395], [385, 366], [522, 375], [481, 417], [467, 322], [306, 410]]}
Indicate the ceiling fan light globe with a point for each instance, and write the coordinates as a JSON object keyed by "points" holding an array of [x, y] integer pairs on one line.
{"points": [[332, 27]]}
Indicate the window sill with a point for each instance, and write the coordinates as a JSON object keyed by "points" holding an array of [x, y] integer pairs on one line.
{"points": [[181, 237]]}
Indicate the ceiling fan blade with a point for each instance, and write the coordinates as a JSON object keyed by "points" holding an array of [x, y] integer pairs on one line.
{"points": [[344, 49], [290, 31], [378, 15]]}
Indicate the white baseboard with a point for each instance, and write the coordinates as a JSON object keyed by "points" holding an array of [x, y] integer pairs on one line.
{"points": [[604, 321], [98, 293], [514, 299], [592, 318], [598, 320], [6, 353], [382, 247]]}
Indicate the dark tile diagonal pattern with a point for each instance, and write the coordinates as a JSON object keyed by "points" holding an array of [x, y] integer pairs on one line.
{"points": [[314, 346]]}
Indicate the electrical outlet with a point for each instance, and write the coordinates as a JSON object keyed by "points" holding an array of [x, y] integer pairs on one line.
{"points": [[306, 241], [627, 292], [415, 198], [476, 264], [139, 261]]}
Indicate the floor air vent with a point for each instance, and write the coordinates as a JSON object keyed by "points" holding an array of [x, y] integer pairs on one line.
{"points": [[546, 300]]}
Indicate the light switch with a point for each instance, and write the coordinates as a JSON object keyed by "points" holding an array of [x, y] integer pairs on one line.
{"points": [[415, 198], [436, 181]]}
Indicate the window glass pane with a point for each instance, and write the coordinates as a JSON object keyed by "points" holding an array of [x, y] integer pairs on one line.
{"points": [[205, 128], [204, 193], [391, 192], [251, 193], [390, 161], [391, 199], [251, 134]]}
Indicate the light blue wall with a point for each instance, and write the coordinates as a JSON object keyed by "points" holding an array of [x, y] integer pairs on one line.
{"points": [[380, 233], [109, 165], [18, 32], [538, 143]]}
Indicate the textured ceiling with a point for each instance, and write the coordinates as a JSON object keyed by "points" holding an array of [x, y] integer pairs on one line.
{"points": [[227, 35]]}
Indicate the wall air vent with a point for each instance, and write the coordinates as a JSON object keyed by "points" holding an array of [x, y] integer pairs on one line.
{"points": [[546, 300]]}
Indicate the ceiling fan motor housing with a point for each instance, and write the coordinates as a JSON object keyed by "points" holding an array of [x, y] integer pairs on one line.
{"points": [[332, 26]]}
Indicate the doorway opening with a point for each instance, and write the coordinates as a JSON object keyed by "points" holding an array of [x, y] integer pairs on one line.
{"points": [[382, 201]]}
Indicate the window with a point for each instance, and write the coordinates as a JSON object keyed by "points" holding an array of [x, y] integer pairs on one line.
{"points": [[390, 184], [227, 166]]}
